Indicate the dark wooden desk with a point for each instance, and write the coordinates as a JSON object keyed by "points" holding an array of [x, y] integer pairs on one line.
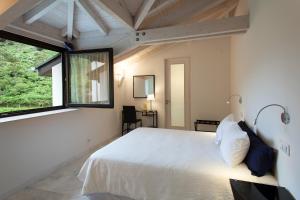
{"points": [[150, 113]]}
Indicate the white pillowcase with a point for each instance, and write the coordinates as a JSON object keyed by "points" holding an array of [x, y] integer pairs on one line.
{"points": [[223, 124], [235, 145]]}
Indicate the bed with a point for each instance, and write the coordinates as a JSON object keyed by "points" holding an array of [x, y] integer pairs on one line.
{"points": [[154, 164]]}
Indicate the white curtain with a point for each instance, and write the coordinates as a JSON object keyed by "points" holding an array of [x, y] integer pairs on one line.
{"points": [[89, 78]]}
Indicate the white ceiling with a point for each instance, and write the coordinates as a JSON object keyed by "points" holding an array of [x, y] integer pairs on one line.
{"points": [[82, 22], [118, 17], [56, 17], [133, 6]]}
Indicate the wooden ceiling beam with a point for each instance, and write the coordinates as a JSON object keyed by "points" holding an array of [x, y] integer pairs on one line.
{"points": [[177, 11], [13, 9], [161, 7], [119, 39], [220, 10], [207, 29], [6, 4], [142, 13], [118, 11], [92, 13], [75, 33], [38, 30], [70, 21], [40, 10], [233, 11]]}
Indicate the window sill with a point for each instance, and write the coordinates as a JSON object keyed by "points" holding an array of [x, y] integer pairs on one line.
{"points": [[33, 115]]}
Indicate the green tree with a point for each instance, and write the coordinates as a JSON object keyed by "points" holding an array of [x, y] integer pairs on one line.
{"points": [[20, 85]]}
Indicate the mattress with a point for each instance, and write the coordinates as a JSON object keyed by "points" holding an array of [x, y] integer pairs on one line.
{"points": [[163, 164]]}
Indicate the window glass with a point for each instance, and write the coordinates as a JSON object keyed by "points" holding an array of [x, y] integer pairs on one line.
{"points": [[90, 78], [30, 77]]}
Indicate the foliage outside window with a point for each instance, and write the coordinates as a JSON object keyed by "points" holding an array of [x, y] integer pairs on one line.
{"points": [[32, 76], [22, 87]]}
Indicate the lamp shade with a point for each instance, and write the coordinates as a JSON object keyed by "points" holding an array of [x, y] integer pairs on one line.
{"points": [[150, 97]]}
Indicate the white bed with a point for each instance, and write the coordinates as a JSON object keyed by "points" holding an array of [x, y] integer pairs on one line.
{"points": [[162, 164]]}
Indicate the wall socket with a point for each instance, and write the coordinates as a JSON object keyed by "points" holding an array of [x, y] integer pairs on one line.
{"points": [[285, 148]]}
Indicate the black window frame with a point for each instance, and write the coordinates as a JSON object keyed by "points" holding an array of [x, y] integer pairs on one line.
{"points": [[111, 79], [44, 45]]}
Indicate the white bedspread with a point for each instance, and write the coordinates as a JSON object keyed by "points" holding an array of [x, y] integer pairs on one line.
{"points": [[162, 164]]}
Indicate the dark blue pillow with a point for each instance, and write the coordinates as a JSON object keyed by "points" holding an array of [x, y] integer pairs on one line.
{"points": [[260, 157]]}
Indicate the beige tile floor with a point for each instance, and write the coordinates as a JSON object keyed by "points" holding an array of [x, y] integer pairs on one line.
{"points": [[61, 185]]}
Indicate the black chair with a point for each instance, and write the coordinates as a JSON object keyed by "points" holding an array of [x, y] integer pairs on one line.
{"points": [[129, 118]]}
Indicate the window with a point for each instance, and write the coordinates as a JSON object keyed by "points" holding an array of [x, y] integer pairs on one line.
{"points": [[91, 78], [31, 78]]}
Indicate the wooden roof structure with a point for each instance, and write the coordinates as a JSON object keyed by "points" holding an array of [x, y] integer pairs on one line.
{"points": [[128, 26]]}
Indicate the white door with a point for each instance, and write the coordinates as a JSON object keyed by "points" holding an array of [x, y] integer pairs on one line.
{"points": [[177, 91]]}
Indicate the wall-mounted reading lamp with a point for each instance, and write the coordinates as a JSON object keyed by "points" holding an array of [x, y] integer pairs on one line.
{"points": [[235, 95], [119, 78], [285, 117]]}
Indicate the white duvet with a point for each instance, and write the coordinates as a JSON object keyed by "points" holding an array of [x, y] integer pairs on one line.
{"points": [[162, 164]]}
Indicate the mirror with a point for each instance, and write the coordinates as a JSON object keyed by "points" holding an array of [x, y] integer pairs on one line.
{"points": [[143, 85]]}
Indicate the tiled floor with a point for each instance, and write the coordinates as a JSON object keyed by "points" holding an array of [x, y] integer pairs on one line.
{"points": [[61, 185]]}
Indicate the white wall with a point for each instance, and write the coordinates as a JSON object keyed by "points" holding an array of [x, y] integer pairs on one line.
{"points": [[210, 60], [265, 69], [33, 147], [57, 86]]}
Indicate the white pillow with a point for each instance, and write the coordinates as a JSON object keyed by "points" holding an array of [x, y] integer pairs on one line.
{"points": [[235, 145], [225, 122]]}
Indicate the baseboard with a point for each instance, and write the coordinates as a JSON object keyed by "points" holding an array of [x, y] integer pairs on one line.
{"points": [[49, 172]]}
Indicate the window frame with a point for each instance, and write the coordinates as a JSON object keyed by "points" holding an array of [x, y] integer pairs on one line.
{"points": [[110, 76], [44, 45]]}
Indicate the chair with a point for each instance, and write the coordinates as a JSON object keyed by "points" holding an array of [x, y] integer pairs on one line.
{"points": [[129, 118]]}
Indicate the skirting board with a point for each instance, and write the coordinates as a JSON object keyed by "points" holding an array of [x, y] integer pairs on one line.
{"points": [[49, 172]]}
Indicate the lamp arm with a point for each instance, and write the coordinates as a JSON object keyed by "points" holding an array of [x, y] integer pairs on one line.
{"points": [[284, 110]]}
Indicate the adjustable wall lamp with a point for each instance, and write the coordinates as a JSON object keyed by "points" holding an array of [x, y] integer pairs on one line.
{"points": [[285, 117]]}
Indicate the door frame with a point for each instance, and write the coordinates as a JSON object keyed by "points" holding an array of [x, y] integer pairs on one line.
{"points": [[187, 91]]}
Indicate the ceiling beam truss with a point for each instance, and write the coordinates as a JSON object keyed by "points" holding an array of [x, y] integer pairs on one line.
{"points": [[161, 7], [92, 13], [142, 13], [38, 31], [207, 29], [15, 9], [220, 10], [118, 11], [40, 10], [70, 22], [75, 33]]}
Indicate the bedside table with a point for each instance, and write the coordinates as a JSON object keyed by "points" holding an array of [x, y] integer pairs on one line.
{"points": [[153, 114], [205, 122], [243, 190]]}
